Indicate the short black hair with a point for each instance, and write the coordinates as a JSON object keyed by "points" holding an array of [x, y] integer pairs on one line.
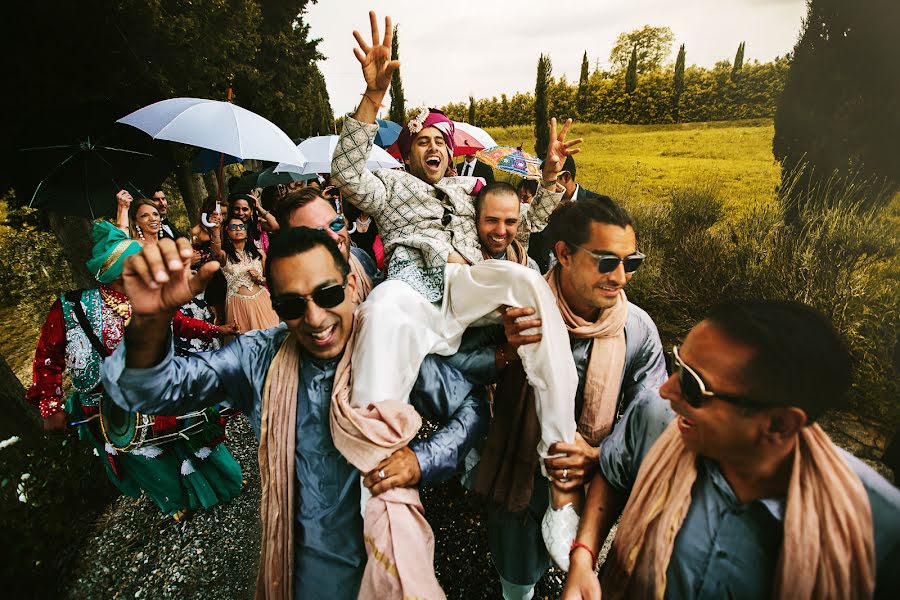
{"points": [[571, 222], [297, 199], [497, 187], [569, 166], [799, 358], [529, 184], [290, 241]]}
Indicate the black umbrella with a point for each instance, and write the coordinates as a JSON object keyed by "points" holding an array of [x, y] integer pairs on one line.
{"points": [[83, 178]]}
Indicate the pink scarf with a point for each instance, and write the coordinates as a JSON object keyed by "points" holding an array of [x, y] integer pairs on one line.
{"points": [[398, 539]]}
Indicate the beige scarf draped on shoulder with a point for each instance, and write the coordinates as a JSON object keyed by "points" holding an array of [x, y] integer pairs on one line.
{"points": [[363, 283], [606, 363], [515, 252], [399, 541], [506, 472], [828, 549]]}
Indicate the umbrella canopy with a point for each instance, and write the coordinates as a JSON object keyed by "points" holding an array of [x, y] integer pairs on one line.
{"points": [[210, 160], [219, 126], [83, 178], [511, 160], [463, 143], [483, 137], [268, 177], [319, 150], [388, 132]]}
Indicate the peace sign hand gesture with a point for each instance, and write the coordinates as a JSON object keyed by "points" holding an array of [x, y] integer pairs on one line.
{"points": [[377, 66], [558, 149]]}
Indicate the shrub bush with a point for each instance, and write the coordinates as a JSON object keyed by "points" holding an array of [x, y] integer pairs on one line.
{"points": [[842, 260]]}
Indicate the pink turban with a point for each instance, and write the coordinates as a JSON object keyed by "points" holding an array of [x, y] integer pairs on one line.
{"points": [[427, 117]]}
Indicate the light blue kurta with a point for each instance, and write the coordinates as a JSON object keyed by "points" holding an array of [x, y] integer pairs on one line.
{"points": [[330, 555], [726, 549]]}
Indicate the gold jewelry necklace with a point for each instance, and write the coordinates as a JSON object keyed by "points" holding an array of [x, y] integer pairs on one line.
{"points": [[117, 302]]}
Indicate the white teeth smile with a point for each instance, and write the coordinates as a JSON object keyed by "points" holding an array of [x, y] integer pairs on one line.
{"points": [[322, 335], [433, 161]]}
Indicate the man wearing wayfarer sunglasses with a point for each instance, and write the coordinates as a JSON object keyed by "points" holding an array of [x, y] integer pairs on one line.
{"points": [[312, 287], [740, 493], [618, 356]]}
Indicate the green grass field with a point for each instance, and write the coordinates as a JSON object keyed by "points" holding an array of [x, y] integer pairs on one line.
{"points": [[645, 163]]}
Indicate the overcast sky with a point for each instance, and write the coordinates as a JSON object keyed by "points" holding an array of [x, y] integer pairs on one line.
{"points": [[484, 48]]}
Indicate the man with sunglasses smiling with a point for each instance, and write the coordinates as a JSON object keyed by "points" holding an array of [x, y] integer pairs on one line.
{"points": [[312, 288], [619, 358], [307, 207], [733, 490]]}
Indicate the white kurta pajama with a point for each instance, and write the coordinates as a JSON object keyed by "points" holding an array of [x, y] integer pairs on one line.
{"points": [[426, 304]]}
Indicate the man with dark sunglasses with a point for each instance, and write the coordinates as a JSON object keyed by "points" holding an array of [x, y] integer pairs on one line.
{"points": [[307, 207], [312, 287], [732, 489], [619, 358]]}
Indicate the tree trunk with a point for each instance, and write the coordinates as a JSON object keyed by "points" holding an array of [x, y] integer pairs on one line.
{"points": [[193, 192], [19, 417], [74, 235]]}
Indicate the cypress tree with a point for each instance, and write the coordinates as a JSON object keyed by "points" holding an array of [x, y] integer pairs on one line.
{"points": [[582, 98], [541, 108], [631, 73], [397, 113], [678, 85], [738, 62], [471, 110], [838, 112]]}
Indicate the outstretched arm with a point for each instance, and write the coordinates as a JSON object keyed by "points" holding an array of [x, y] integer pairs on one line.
{"points": [[377, 68], [123, 202]]}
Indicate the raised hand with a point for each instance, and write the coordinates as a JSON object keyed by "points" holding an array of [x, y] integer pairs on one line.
{"points": [[375, 60], [558, 149], [124, 199], [158, 279]]}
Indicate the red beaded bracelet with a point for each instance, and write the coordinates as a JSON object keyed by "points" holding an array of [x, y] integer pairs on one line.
{"points": [[577, 544]]}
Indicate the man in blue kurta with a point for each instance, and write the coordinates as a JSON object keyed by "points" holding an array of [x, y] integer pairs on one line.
{"points": [[732, 489], [618, 356], [312, 290]]}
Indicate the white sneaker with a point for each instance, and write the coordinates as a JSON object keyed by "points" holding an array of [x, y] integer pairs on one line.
{"points": [[559, 527]]}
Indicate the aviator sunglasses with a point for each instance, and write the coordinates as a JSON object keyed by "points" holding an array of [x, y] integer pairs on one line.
{"points": [[693, 390], [294, 306], [336, 225], [607, 263]]}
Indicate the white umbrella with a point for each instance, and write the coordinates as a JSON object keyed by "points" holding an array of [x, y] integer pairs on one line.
{"points": [[319, 150], [476, 132], [219, 126]]}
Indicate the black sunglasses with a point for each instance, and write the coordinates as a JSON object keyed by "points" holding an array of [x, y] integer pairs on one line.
{"points": [[294, 306], [236, 226], [607, 263], [336, 224], [693, 390]]}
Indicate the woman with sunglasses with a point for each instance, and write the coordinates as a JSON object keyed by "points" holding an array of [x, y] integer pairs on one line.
{"points": [[247, 301], [258, 220]]}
